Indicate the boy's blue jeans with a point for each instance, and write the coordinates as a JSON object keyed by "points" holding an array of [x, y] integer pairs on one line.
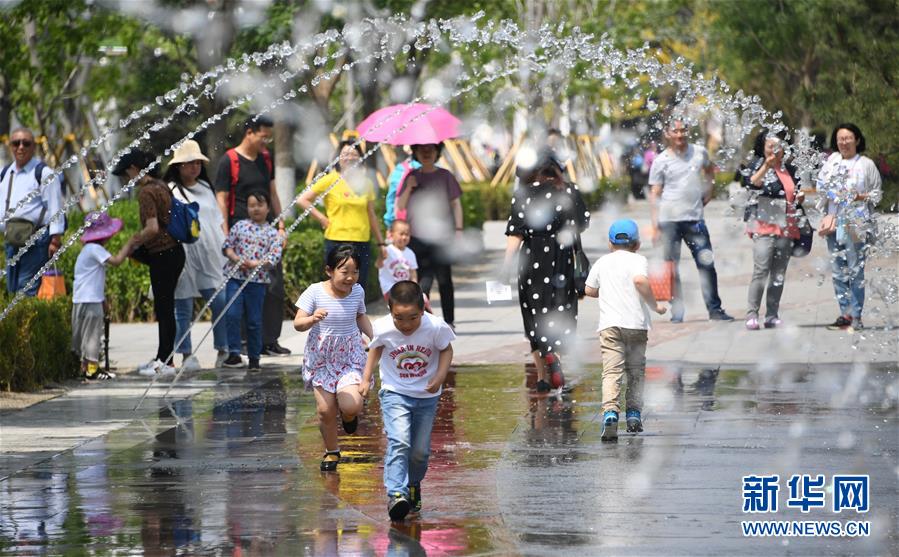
{"points": [[695, 234], [847, 262], [247, 305], [184, 313], [407, 423]]}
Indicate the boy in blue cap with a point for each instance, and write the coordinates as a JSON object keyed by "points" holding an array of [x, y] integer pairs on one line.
{"points": [[623, 278]]}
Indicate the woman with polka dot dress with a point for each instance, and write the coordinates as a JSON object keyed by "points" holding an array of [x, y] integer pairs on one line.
{"points": [[548, 215]]}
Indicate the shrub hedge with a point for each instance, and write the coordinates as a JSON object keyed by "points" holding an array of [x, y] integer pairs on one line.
{"points": [[35, 337]]}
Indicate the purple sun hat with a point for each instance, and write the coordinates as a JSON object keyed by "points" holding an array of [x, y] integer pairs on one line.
{"points": [[100, 227]]}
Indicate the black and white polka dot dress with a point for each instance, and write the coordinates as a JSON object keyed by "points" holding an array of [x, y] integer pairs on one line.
{"points": [[548, 219]]}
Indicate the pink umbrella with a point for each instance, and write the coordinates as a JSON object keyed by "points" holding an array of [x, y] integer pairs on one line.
{"points": [[409, 124]]}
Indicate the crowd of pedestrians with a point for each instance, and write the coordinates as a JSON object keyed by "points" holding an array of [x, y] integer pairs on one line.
{"points": [[234, 263]]}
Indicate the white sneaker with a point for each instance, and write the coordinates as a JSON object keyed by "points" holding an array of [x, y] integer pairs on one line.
{"points": [[191, 363], [149, 369], [220, 358], [164, 370]]}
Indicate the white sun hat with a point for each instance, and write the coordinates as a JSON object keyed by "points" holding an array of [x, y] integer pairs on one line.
{"points": [[188, 152]]}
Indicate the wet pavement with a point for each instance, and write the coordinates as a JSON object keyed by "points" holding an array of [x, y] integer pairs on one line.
{"points": [[234, 471]]}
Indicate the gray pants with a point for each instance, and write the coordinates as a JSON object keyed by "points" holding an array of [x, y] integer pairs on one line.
{"points": [[87, 330], [770, 255]]}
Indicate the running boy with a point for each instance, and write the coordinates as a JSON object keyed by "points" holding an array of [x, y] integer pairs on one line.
{"points": [[89, 290], [400, 263], [414, 351], [622, 277]]}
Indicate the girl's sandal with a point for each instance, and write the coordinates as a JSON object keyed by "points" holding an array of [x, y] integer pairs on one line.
{"points": [[330, 460]]}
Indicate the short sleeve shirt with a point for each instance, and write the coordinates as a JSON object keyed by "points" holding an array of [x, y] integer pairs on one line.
{"points": [[346, 205], [155, 201], [398, 266], [89, 286], [342, 312], [254, 241], [429, 211], [620, 305], [409, 361], [682, 181], [252, 176]]}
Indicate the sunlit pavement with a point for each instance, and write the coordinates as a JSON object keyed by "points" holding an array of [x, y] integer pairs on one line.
{"points": [[229, 464]]}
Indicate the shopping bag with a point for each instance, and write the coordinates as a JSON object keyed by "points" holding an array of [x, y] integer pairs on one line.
{"points": [[661, 280], [53, 284]]}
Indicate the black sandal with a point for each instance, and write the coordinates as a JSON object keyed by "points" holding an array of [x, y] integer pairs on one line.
{"points": [[350, 426], [330, 460]]}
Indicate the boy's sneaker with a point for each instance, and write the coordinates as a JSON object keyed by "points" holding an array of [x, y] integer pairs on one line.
{"points": [[398, 506], [634, 423], [233, 361], [857, 324], [191, 363], [415, 498], [772, 322], [752, 323], [842, 323], [610, 426], [543, 386], [254, 366]]}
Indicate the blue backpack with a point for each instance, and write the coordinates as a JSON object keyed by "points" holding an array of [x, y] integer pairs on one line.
{"points": [[184, 221]]}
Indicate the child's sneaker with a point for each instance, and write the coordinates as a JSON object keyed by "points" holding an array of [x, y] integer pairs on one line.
{"points": [[398, 506], [543, 386], [415, 498], [610, 426], [254, 366], [752, 323], [634, 422], [772, 322]]}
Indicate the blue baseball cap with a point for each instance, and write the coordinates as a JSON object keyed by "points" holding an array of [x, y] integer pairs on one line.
{"points": [[623, 231]]}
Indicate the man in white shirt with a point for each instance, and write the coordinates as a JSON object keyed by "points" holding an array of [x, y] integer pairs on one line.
{"points": [[17, 180], [681, 184]]}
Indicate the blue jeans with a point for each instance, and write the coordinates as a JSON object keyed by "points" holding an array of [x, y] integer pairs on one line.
{"points": [[695, 234], [407, 423], [184, 313], [363, 250], [847, 263], [28, 266], [247, 305]]}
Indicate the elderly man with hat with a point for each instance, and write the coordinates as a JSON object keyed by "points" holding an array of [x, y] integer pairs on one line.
{"points": [[158, 250], [19, 180]]}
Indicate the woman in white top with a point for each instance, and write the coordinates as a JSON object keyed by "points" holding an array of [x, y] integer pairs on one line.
{"points": [[851, 184], [202, 275]]}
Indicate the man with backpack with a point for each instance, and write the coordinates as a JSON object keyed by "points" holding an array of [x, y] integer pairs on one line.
{"points": [[246, 169], [18, 180]]}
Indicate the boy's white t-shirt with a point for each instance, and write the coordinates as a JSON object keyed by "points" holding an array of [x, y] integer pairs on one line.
{"points": [[398, 266], [408, 362], [620, 305], [89, 286]]}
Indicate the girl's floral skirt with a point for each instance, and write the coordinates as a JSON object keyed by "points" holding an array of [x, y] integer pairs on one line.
{"points": [[334, 362]]}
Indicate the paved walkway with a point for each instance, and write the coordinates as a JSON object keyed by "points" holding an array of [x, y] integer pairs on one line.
{"points": [[229, 462]]}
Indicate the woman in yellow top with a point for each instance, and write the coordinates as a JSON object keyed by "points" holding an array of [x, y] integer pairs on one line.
{"points": [[349, 216]]}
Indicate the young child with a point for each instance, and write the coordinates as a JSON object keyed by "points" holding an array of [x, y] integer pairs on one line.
{"points": [[89, 290], [333, 311], [622, 278], [251, 243], [414, 350], [400, 263]]}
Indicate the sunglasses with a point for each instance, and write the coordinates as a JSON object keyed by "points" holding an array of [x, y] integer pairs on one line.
{"points": [[21, 142]]}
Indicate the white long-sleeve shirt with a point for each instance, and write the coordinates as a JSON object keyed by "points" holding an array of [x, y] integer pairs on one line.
{"points": [[23, 183]]}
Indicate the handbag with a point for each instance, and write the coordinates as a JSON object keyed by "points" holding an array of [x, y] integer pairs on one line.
{"points": [[802, 245], [18, 230], [661, 281], [581, 267], [53, 285]]}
